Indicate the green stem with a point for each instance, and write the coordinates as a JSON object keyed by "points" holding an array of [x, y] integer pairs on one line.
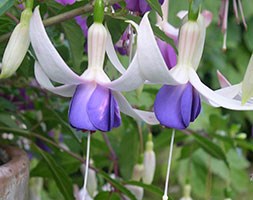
{"points": [[29, 4], [99, 11]]}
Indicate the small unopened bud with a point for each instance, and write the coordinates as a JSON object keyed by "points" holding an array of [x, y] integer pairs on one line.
{"points": [[137, 172], [187, 193], [149, 162], [136, 191], [91, 181], [17, 46], [241, 136]]}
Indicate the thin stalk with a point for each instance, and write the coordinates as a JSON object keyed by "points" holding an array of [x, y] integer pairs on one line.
{"points": [[86, 165], [113, 154], [165, 195]]}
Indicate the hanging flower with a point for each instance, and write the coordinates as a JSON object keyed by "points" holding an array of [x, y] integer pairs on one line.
{"points": [[140, 6], [96, 102], [153, 68], [17, 46]]}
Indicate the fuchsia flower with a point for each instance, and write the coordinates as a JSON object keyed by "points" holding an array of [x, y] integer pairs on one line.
{"points": [[140, 6], [178, 102], [96, 102]]}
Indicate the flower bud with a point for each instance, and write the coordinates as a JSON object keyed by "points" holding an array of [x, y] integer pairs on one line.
{"points": [[187, 193], [149, 162], [137, 172], [17, 46], [92, 180], [136, 191]]}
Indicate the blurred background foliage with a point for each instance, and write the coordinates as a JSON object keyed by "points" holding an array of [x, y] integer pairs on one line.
{"points": [[214, 155]]}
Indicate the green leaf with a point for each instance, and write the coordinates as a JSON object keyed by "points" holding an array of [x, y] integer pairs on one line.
{"points": [[76, 40], [150, 188], [127, 157], [61, 178], [210, 147], [155, 5], [107, 196], [117, 185], [5, 5]]}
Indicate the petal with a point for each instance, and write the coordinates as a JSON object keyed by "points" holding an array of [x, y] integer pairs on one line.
{"points": [[196, 105], [111, 53], [101, 109], [126, 108], [186, 104], [247, 84], [167, 106], [214, 97], [170, 31], [78, 116], [130, 80], [223, 80], [152, 64], [168, 53], [49, 59], [41, 77]]}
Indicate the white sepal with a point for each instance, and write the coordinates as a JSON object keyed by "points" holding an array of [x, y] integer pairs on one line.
{"points": [[50, 60], [247, 84]]}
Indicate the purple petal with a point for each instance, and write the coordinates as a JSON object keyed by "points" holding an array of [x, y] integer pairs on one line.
{"points": [[78, 116], [66, 2], [186, 104], [122, 46], [168, 53], [196, 108], [167, 106], [140, 6], [177, 106], [103, 110], [82, 22]]}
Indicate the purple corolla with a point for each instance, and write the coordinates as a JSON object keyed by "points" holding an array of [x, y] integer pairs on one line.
{"points": [[140, 6], [96, 101]]}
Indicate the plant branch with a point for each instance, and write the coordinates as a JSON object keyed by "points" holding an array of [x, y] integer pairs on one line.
{"points": [[65, 16], [113, 154]]}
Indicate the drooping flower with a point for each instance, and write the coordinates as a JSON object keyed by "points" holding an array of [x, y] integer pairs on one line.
{"points": [[153, 68], [96, 102], [140, 6], [17, 46], [66, 2], [223, 17]]}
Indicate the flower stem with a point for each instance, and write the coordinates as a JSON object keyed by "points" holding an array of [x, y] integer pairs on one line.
{"points": [[165, 195], [86, 164]]}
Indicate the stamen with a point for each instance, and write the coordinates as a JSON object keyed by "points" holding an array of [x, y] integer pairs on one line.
{"points": [[165, 195], [242, 14], [224, 46], [86, 165], [236, 11]]}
